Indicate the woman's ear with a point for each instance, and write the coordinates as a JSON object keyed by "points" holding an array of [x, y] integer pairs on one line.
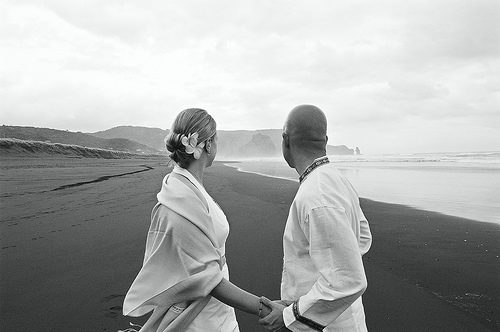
{"points": [[208, 146]]}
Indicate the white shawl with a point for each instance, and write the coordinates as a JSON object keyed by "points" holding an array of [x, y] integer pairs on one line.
{"points": [[182, 262]]}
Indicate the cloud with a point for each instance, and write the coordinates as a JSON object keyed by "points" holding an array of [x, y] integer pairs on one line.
{"points": [[381, 68], [450, 30], [120, 19], [407, 89]]}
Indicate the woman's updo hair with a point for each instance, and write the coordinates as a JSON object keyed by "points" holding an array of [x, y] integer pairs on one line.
{"points": [[189, 121]]}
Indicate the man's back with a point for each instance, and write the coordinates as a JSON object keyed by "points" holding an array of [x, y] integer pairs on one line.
{"points": [[325, 236], [327, 186]]}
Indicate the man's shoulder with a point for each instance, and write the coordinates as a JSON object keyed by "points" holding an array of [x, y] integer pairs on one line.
{"points": [[327, 187], [311, 194], [324, 176]]}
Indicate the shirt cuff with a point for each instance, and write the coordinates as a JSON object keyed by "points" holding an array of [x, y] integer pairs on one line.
{"points": [[296, 322], [288, 317]]}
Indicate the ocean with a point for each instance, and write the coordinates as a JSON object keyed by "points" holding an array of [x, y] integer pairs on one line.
{"points": [[459, 184]]}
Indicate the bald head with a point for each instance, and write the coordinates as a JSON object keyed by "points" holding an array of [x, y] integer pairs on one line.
{"points": [[306, 127]]}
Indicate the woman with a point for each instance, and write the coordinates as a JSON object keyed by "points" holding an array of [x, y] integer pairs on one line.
{"points": [[184, 277]]}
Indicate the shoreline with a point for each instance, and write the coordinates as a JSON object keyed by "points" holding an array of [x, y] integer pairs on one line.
{"points": [[69, 256], [440, 263], [438, 188]]}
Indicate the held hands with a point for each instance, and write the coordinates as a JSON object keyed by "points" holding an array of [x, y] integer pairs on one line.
{"points": [[286, 303], [272, 313]]}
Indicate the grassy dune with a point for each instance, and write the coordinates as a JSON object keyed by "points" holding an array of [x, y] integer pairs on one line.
{"points": [[16, 147]]}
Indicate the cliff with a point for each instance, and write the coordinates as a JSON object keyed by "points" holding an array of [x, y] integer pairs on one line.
{"points": [[339, 150], [259, 146]]}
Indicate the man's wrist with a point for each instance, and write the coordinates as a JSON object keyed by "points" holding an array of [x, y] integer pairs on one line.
{"points": [[304, 320]]}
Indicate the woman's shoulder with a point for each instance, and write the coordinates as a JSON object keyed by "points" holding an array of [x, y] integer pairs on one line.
{"points": [[165, 219], [180, 189]]}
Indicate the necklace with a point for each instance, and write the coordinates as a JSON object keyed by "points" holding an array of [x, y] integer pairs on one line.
{"points": [[313, 166]]}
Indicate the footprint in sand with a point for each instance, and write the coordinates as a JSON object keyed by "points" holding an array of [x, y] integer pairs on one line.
{"points": [[115, 310]]}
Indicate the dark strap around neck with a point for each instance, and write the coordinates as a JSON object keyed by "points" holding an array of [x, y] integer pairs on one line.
{"points": [[313, 166]]}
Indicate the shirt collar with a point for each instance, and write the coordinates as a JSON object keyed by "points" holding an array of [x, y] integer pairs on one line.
{"points": [[317, 162]]}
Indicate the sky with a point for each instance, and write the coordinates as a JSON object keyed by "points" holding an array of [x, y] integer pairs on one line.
{"points": [[391, 76]]}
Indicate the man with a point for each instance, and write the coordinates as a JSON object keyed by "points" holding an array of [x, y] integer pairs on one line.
{"points": [[325, 236]]}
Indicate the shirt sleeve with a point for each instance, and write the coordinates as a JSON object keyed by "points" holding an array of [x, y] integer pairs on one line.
{"points": [[365, 236], [335, 253]]}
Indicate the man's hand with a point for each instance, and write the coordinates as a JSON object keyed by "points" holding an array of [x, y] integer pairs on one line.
{"points": [[286, 303], [273, 321]]}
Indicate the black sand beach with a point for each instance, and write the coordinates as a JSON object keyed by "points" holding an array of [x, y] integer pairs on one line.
{"points": [[73, 232]]}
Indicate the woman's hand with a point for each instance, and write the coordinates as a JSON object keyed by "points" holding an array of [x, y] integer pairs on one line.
{"points": [[274, 320]]}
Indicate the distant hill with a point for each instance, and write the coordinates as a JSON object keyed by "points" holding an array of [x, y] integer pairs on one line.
{"points": [[144, 140], [67, 137], [231, 143], [152, 137]]}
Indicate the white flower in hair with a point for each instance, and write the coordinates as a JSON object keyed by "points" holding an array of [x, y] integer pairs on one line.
{"points": [[192, 147]]}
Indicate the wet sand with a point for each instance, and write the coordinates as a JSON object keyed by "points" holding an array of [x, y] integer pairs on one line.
{"points": [[72, 234]]}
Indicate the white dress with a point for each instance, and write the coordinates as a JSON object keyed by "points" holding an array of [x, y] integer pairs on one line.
{"points": [[216, 316]]}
